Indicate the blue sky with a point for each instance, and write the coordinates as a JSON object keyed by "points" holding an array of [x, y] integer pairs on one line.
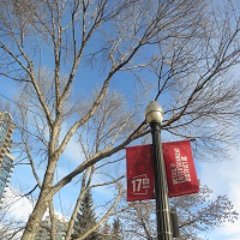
{"points": [[223, 178]]}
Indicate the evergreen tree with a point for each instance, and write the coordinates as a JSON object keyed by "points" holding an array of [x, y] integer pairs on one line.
{"points": [[106, 232], [86, 219], [116, 231]]}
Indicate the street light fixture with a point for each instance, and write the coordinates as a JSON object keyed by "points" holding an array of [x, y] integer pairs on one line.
{"points": [[154, 116]]}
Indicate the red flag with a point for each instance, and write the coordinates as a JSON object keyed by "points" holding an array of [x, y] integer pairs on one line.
{"points": [[180, 169], [140, 176]]}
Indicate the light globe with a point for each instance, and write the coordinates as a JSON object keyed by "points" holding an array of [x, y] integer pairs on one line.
{"points": [[154, 113]]}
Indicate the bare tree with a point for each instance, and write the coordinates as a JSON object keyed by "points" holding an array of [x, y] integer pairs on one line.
{"points": [[186, 47], [11, 227], [197, 214]]}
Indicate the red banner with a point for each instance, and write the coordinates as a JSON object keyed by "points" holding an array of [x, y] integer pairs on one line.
{"points": [[140, 177], [180, 170]]}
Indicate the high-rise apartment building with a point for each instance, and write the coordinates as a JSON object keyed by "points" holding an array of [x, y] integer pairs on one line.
{"points": [[6, 159], [5, 172]]}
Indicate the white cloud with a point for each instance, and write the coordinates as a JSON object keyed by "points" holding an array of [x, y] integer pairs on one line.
{"points": [[17, 210], [73, 152], [224, 178], [18, 207]]}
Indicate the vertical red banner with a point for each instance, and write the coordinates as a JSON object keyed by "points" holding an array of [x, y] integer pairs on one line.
{"points": [[180, 169], [179, 165], [140, 177]]}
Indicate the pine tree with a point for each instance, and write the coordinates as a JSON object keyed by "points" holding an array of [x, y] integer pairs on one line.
{"points": [[86, 219], [116, 231], [106, 232]]}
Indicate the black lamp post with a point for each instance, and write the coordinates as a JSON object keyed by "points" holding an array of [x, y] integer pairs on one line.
{"points": [[154, 116]]}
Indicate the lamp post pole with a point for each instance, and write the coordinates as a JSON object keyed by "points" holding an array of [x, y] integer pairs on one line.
{"points": [[154, 116]]}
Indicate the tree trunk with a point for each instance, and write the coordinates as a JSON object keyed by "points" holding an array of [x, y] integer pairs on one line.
{"points": [[37, 214]]}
